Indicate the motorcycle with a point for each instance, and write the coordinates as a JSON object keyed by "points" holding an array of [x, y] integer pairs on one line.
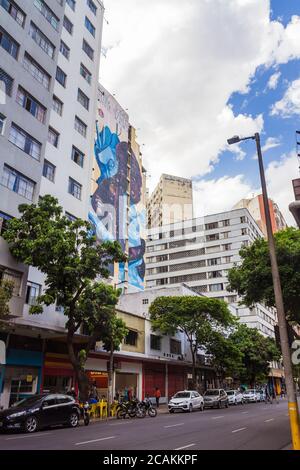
{"points": [[85, 413], [133, 409], [149, 408]]}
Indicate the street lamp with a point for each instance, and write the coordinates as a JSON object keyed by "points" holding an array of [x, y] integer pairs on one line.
{"points": [[282, 323]]}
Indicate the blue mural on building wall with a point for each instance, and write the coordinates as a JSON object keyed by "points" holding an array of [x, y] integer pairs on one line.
{"points": [[109, 202]]}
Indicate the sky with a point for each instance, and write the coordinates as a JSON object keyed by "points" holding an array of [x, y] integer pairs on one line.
{"points": [[192, 74]]}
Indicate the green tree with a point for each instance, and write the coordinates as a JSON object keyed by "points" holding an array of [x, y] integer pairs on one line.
{"points": [[195, 316], [225, 355], [68, 255], [253, 279], [6, 292], [257, 353]]}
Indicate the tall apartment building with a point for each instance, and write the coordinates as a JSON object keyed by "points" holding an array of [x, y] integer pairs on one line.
{"points": [[199, 253], [255, 206], [49, 67], [170, 202]]}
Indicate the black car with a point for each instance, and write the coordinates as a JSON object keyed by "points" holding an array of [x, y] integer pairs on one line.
{"points": [[40, 411]]}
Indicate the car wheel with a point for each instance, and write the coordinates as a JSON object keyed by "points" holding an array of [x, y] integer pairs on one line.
{"points": [[31, 424], [171, 411], [191, 408], [73, 420]]}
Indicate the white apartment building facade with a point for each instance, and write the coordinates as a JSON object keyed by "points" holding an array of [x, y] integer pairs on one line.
{"points": [[199, 253]]}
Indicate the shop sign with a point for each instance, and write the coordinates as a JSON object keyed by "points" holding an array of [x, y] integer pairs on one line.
{"points": [[29, 378]]}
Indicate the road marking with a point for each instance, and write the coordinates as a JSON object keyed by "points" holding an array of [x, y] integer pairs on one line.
{"points": [[122, 424], [30, 435], [268, 420], [174, 425], [218, 417], [185, 447], [95, 440], [245, 412], [238, 430]]}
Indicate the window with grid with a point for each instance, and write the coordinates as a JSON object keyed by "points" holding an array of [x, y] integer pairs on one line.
{"points": [[71, 3], [83, 99], [53, 137], [75, 188], [64, 49], [32, 293], [84, 72], [77, 156], [187, 254], [41, 40], [17, 182], [88, 50], [131, 338], [9, 44], [80, 126], [47, 13], [213, 261], [37, 72], [25, 142], [68, 25], [49, 171], [57, 105], [188, 278], [31, 105], [188, 265], [92, 6], [6, 82], [90, 27], [61, 77], [2, 123], [15, 277], [14, 11], [155, 342], [175, 346], [216, 287]]}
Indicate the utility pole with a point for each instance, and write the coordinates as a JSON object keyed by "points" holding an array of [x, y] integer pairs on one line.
{"points": [[282, 323]]}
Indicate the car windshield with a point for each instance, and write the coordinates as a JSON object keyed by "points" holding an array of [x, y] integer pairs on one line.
{"points": [[182, 395], [211, 392], [230, 392], [250, 391], [27, 401]]}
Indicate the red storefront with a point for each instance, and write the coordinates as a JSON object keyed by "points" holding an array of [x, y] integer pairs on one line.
{"points": [[58, 373], [177, 377], [154, 376]]}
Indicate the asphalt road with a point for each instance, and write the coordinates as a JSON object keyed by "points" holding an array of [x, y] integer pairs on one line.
{"points": [[249, 427]]}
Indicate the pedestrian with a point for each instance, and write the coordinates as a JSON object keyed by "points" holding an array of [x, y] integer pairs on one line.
{"points": [[157, 396], [126, 394], [130, 394]]}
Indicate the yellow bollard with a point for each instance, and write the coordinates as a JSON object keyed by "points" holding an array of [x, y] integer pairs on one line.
{"points": [[295, 424]]}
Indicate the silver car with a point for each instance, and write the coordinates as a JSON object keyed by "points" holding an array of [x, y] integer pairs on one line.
{"points": [[235, 397], [187, 400]]}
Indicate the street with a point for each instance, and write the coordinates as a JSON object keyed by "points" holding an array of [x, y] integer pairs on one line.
{"points": [[250, 427]]}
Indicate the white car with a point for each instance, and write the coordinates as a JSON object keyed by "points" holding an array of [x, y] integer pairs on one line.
{"points": [[251, 395], [235, 397], [187, 400]]}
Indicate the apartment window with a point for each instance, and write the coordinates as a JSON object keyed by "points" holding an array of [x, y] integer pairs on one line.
{"points": [[37, 72], [212, 238], [25, 142], [12, 276], [31, 105], [49, 171], [244, 231], [47, 13], [216, 287], [227, 247], [92, 6], [17, 182], [4, 218], [213, 261], [72, 4], [68, 25], [90, 27], [75, 188], [214, 274], [175, 346], [9, 44], [2, 123], [83, 99], [64, 49], [145, 301], [211, 226], [225, 223], [71, 217], [155, 342], [8, 82], [77, 156], [131, 338], [53, 137], [14, 10], [85, 73], [243, 220], [42, 40], [57, 105], [61, 77], [80, 126], [227, 259], [32, 293], [88, 50]]}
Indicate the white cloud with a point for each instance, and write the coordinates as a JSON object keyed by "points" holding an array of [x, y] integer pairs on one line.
{"points": [[271, 143], [290, 103], [273, 80], [217, 195], [175, 66]]}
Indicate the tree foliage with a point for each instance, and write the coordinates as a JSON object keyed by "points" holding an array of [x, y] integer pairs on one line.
{"points": [[6, 292], [73, 263], [253, 279]]}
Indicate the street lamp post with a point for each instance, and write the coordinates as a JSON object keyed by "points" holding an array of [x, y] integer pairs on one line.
{"points": [[282, 323]]}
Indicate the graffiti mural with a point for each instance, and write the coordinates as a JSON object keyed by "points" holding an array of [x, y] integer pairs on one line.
{"points": [[117, 211]]}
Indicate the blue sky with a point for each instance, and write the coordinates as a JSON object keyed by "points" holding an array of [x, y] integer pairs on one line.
{"points": [[194, 73]]}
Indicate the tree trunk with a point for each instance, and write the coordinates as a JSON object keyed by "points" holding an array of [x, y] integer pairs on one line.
{"points": [[110, 378], [81, 377], [194, 368]]}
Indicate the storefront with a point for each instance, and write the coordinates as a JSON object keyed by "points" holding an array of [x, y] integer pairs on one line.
{"points": [[100, 381], [58, 373], [22, 376]]}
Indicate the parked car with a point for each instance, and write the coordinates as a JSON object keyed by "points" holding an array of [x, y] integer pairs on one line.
{"points": [[235, 397], [187, 400], [40, 411], [216, 398], [251, 395]]}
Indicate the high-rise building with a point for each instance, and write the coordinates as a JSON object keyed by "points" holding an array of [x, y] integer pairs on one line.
{"points": [[170, 202], [117, 209], [199, 253], [295, 205], [49, 67], [255, 206]]}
